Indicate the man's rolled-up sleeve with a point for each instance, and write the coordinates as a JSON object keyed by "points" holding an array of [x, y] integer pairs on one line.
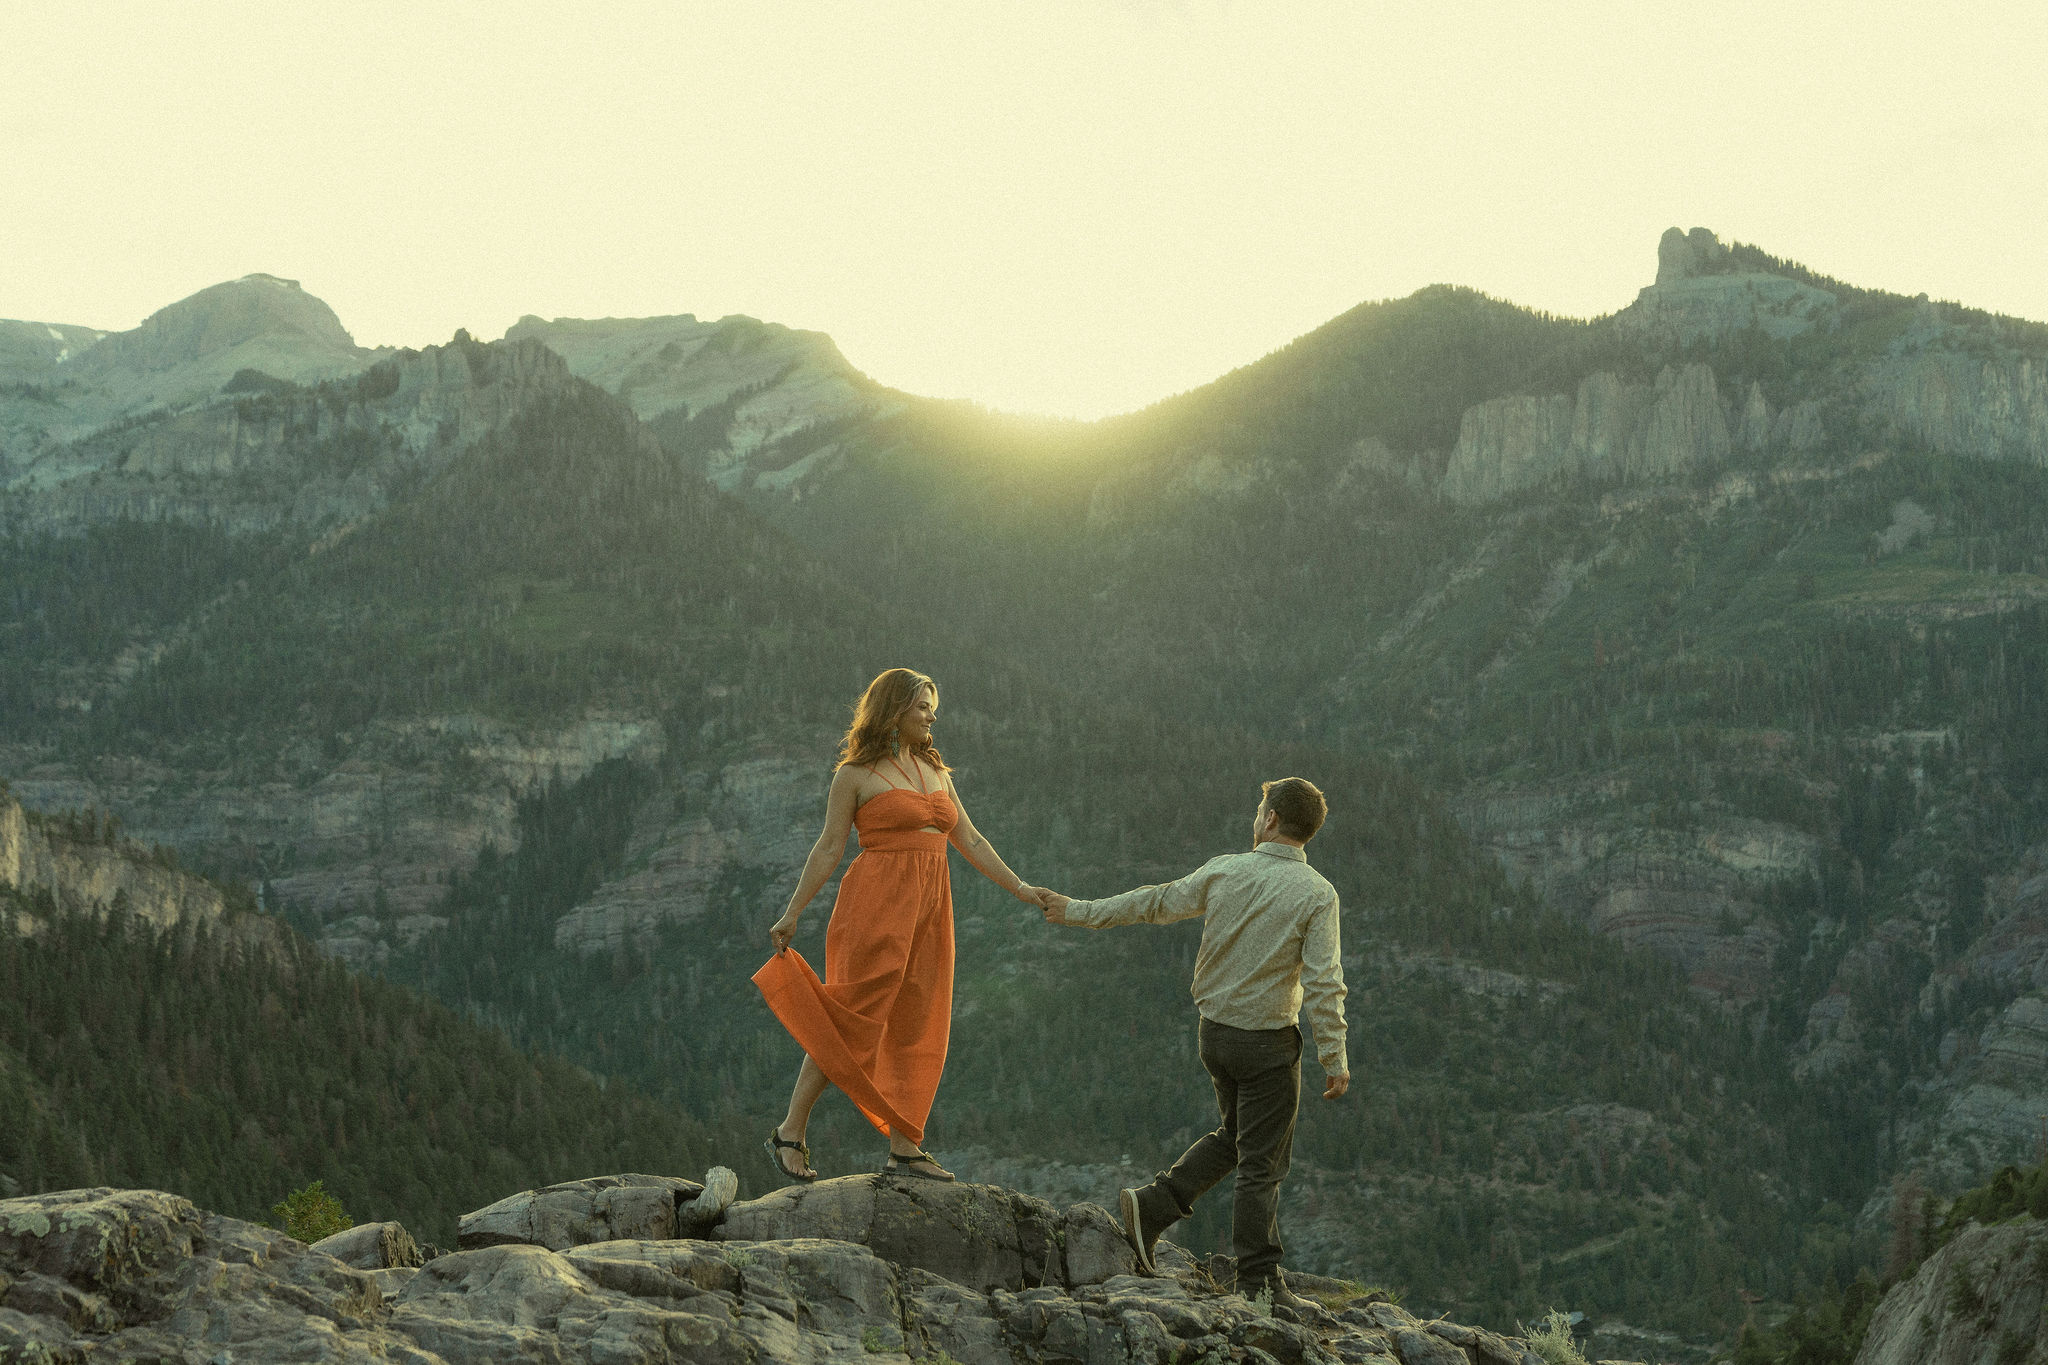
{"points": [[1185, 898], [1322, 988]]}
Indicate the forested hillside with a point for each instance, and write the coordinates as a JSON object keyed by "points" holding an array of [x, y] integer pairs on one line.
{"points": [[225, 1059], [1677, 679]]}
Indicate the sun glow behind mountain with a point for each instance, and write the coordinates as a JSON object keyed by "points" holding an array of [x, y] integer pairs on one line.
{"points": [[1074, 208]]}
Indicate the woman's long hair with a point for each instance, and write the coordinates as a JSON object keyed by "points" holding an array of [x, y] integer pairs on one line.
{"points": [[875, 715]]}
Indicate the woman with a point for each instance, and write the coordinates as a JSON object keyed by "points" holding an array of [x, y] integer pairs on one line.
{"points": [[878, 1030]]}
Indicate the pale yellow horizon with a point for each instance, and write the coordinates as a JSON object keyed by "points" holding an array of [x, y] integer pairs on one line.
{"points": [[1065, 208]]}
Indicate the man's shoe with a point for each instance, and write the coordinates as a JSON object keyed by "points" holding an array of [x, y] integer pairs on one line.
{"points": [[1134, 1230], [1273, 1292]]}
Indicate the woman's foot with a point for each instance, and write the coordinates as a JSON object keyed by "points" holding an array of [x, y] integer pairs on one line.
{"points": [[778, 1145], [916, 1163]]}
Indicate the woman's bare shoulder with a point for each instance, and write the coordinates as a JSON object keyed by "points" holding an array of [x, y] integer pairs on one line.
{"points": [[853, 778]]}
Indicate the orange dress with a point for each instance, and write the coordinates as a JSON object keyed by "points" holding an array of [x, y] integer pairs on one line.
{"points": [[879, 1029]]}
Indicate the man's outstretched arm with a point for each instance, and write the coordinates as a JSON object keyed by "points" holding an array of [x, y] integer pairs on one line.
{"points": [[1185, 898]]}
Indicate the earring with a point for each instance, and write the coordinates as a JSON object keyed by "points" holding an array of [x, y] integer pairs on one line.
{"points": [[895, 745]]}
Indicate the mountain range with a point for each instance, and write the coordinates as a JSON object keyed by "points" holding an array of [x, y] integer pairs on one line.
{"points": [[1677, 678]]}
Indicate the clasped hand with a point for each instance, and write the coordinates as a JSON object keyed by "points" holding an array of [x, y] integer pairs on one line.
{"points": [[1052, 902]]}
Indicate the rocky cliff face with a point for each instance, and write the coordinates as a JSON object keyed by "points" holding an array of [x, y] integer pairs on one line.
{"points": [[364, 843], [1956, 384], [77, 380], [756, 817], [1979, 1299], [1692, 896], [1982, 1107], [87, 876], [268, 452], [750, 390], [1993, 1113], [1958, 403], [1609, 431], [851, 1270]]}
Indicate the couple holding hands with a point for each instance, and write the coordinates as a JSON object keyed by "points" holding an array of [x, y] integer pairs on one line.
{"points": [[878, 1027]]}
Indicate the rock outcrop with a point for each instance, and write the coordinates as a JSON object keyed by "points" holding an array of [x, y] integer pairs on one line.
{"points": [[1611, 430], [1693, 896], [1976, 1300], [605, 1208], [1994, 1103], [363, 842], [758, 815], [752, 392], [1957, 403], [1952, 384], [266, 451], [141, 1275], [89, 876], [1701, 291], [68, 382], [373, 1246], [1980, 1107], [982, 1236]]}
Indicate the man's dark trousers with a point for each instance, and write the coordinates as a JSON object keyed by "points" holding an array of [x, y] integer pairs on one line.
{"points": [[1258, 1088]]}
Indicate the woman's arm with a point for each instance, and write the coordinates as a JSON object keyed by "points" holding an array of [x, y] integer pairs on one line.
{"points": [[825, 853], [978, 851]]}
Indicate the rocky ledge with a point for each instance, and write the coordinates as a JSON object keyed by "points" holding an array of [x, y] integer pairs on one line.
{"points": [[652, 1269]]}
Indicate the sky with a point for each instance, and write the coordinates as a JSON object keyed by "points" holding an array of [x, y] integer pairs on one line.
{"points": [[1040, 205]]}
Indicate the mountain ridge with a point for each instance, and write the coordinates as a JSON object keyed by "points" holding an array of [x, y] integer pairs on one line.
{"points": [[772, 411], [1741, 748]]}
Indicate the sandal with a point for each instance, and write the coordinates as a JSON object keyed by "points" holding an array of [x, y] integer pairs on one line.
{"points": [[914, 1166], [777, 1144]]}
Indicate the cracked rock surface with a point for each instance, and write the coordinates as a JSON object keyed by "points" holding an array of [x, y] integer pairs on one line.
{"points": [[844, 1270]]}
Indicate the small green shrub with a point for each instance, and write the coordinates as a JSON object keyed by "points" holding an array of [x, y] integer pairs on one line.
{"points": [[311, 1214], [1551, 1340]]}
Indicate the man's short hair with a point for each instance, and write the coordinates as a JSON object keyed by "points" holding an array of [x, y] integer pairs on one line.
{"points": [[1300, 805]]}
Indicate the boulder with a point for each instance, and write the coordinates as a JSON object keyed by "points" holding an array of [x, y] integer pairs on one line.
{"points": [[1094, 1245], [390, 1282], [372, 1246], [137, 1274], [940, 1316], [1415, 1346], [516, 1303], [700, 1215], [980, 1236], [1483, 1347], [602, 1208], [140, 1274]]}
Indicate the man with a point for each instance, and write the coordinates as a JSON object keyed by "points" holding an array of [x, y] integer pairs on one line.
{"points": [[1269, 944]]}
